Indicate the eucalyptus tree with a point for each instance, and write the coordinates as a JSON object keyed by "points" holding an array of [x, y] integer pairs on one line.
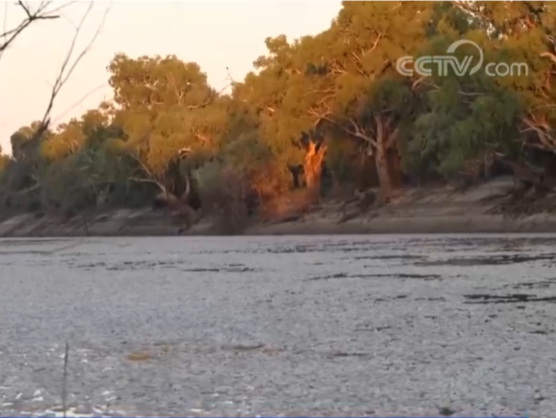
{"points": [[164, 105], [523, 33], [360, 94]]}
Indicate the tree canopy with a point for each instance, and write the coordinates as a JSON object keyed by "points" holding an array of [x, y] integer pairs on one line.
{"points": [[317, 113]]}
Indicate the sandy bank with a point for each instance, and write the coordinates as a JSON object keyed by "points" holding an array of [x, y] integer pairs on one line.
{"points": [[440, 210]]}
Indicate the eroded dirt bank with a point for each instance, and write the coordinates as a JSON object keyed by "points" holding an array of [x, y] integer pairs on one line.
{"points": [[439, 210]]}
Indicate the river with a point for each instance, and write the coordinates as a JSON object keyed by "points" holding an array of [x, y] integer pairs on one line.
{"points": [[281, 326]]}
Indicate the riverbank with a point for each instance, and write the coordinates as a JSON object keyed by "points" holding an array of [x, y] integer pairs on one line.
{"points": [[436, 210]]}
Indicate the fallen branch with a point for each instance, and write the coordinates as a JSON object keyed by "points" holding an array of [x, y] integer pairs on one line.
{"points": [[65, 381]]}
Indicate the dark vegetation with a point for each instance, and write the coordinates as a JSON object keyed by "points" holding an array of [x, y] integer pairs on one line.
{"points": [[321, 116]]}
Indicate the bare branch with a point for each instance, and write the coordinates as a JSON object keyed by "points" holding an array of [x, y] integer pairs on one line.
{"points": [[544, 133], [151, 181], [185, 196], [214, 96], [21, 192], [359, 133], [67, 66], [143, 166], [77, 102], [10, 35], [549, 55], [45, 12]]}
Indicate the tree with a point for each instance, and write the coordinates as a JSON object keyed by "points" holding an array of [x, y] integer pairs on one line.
{"points": [[332, 103], [523, 32], [261, 94], [163, 106], [461, 118], [359, 94]]}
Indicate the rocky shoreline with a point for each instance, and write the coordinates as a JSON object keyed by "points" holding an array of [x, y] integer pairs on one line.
{"points": [[415, 211]]}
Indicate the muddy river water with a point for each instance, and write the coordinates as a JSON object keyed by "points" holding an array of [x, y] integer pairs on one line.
{"points": [[280, 326]]}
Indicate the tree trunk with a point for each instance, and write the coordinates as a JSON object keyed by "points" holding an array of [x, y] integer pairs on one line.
{"points": [[382, 159], [85, 223], [395, 167], [312, 165], [383, 170]]}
